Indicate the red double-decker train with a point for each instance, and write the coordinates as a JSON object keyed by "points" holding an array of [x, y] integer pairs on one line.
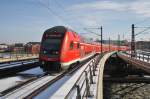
{"points": [[61, 47]]}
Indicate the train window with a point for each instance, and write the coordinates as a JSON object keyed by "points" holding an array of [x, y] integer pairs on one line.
{"points": [[71, 45], [52, 44], [78, 45]]}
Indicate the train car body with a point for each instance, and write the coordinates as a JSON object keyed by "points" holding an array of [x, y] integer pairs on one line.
{"points": [[62, 47]]}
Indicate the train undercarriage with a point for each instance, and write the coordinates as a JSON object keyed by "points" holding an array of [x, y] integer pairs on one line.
{"points": [[50, 66], [56, 66]]}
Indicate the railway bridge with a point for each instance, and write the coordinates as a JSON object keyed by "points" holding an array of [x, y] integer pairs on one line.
{"points": [[91, 79]]}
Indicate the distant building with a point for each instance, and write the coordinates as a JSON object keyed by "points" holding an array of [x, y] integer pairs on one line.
{"points": [[18, 47], [114, 42], [143, 45], [35, 49], [32, 47], [3, 46], [19, 44]]}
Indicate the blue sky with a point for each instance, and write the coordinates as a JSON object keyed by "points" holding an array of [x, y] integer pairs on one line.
{"points": [[26, 20]]}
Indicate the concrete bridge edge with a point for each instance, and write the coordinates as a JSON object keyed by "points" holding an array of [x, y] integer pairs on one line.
{"points": [[100, 75]]}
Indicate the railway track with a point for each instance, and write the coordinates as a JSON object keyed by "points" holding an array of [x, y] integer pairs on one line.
{"points": [[10, 62], [31, 89], [129, 86], [126, 91], [2, 93], [15, 67], [34, 86]]}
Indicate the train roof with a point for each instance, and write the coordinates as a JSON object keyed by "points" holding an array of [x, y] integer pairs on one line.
{"points": [[57, 29], [63, 30]]}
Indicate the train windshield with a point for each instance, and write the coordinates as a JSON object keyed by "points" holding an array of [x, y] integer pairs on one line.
{"points": [[52, 44]]}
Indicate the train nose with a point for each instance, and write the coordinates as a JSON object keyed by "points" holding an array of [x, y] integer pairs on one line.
{"points": [[55, 52]]}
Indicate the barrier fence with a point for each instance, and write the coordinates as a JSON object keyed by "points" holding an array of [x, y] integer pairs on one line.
{"points": [[140, 56]]}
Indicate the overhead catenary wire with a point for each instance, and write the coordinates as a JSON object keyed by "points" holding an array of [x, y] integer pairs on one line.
{"points": [[140, 22], [66, 21], [62, 8], [54, 13], [91, 32], [60, 5], [142, 31], [57, 15]]}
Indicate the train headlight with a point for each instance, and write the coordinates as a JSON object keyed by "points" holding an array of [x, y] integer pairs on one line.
{"points": [[43, 62], [44, 52], [56, 52]]}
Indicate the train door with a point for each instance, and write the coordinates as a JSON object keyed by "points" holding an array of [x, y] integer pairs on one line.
{"points": [[82, 51]]}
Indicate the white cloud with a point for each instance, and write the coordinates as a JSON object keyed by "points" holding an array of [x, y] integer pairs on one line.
{"points": [[90, 20], [88, 14], [139, 7], [99, 5], [108, 5], [107, 13]]}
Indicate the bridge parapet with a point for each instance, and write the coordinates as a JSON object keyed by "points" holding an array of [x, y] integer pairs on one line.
{"points": [[141, 60], [140, 55], [86, 82]]}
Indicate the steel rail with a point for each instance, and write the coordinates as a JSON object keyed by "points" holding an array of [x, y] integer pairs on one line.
{"points": [[66, 73], [5, 92], [40, 87], [79, 85], [81, 82], [15, 69], [127, 80], [16, 61], [33, 88], [70, 84]]}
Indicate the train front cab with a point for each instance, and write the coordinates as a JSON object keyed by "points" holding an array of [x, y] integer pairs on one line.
{"points": [[51, 46]]}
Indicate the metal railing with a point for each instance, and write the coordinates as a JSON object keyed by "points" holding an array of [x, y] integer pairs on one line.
{"points": [[140, 56], [84, 82], [15, 56]]}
